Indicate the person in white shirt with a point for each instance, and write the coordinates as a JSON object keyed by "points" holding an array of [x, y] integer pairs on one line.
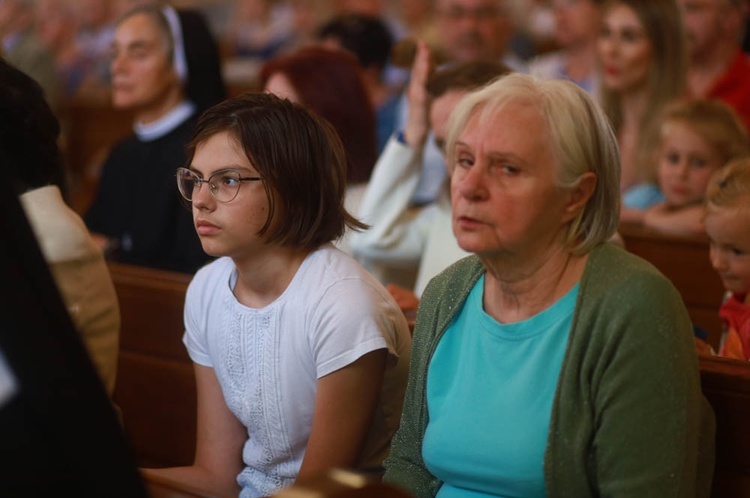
{"points": [[403, 237], [301, 356]]}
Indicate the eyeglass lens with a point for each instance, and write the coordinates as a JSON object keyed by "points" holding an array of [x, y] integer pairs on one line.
{"points": [[223, 185]]}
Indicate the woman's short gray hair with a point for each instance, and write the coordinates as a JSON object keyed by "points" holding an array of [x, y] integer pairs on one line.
{"points": [[581, 137]]}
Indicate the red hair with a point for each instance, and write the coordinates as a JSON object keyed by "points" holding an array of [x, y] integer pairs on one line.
{"points": [[330, 83]]}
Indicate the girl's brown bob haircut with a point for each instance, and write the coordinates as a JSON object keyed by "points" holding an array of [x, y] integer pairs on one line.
{"points": [[301, 159]]}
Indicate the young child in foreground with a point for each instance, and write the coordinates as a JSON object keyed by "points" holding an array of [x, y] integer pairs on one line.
{"points": [[695, 138], [300, 355], [727, 223]]}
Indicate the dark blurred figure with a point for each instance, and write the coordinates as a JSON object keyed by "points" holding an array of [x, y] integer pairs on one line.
{"points": [[59, 431], [28, 138], [369, 39]]}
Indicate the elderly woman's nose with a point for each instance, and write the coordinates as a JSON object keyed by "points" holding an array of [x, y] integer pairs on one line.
{"points": [[471, 183]]}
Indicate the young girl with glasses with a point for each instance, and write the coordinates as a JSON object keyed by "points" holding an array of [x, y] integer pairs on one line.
{"points": [[300, 355]]}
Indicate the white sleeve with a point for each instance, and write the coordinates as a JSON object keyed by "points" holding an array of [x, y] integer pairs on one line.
{"points": [[397, 232], [195, 338], [351, 319]]}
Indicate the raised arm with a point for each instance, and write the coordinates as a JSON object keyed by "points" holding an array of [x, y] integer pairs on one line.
{"points": [[386, 203]]}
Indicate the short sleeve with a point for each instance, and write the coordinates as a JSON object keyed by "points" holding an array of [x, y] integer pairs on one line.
{"points": [[195, 337], [351, 319]]}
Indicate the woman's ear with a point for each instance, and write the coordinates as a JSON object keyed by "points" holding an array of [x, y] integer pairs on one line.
{"points": [[580, 194]]}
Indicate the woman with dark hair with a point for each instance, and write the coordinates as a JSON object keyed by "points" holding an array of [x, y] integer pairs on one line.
{"points": [[300, 355], [165, 77], [369, 39], [331, 84]]}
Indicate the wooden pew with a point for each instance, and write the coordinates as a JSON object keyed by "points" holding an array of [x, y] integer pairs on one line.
{"points": [[726, 385], [338, 483], [155, 387], [684, 260], [90, 127], [160, 487]]}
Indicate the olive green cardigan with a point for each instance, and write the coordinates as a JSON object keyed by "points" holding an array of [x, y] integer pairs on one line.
{"points": [[628, 417]]}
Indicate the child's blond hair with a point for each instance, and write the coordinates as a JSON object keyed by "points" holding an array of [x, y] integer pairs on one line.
{"points": [[718, 124], [729, 186]]}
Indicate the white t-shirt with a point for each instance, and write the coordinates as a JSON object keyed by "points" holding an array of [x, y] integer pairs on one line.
{"points": [[268, 360]]}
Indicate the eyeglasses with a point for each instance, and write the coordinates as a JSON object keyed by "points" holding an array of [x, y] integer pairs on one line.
{"points": [[223, 185]]}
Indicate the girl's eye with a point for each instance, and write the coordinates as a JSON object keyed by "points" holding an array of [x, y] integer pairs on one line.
{"points": [[672, 157], [737, 252], [698, 162], [229, 181], [630, 35]]}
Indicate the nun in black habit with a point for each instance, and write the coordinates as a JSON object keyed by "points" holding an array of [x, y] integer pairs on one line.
{"points": [[166, 70]]}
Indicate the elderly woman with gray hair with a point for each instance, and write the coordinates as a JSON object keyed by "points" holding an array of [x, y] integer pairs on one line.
{"points": [[550, 362]]}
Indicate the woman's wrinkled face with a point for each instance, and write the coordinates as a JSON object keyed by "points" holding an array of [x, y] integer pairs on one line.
{"points": [[505, 196], [625, 52], [143, 77]]}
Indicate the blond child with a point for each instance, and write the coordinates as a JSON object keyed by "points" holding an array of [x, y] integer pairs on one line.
{"points": [[727, 222], [695, 138]]}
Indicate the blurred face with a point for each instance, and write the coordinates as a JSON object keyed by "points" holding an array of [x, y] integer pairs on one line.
{"points": [[625, 52], [703, 24], [228, 228], [728, 232], [473, 29], [505, 197], [143, 78], [369, 7], [279, 85], [686, 162], [576, 21], [440, 112], [93, 13]]}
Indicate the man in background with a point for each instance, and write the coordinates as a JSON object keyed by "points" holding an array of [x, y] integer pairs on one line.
{"points": [[718, 68]]}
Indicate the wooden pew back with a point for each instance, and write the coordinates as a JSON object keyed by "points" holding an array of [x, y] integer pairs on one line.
{"points": [[155, 387], [683, 260], [726, 385], [90, 128]]}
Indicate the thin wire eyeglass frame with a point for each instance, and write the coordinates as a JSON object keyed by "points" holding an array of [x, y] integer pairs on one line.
{"points": [[213, 187]]}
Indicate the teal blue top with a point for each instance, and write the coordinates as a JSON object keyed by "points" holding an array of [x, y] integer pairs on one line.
{"points": [[628, 417], [642, 196], [487, 374]]}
